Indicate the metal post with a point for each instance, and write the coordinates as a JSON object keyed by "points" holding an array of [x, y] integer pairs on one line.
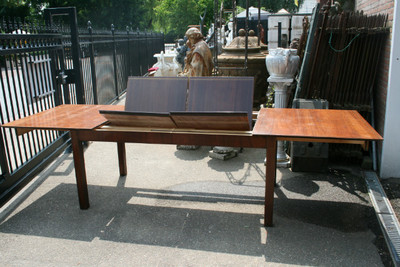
{"points": [[93, 65], [290, 31], [57, 79], [147, 57], [215, 51], [259, 22], [75, 47], [279, 34], [3, 158], [247, 36], [307, 52], [115, 61], [129, 53], [234, 21], [161, 40]]}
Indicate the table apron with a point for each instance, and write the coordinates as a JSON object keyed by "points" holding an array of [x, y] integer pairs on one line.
{"points": [[323, 140], [250, 141]]}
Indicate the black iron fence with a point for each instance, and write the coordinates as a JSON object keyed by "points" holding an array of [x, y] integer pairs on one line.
{"points": [[340, 65], [107, 60], [45, 66], [343, 61]]}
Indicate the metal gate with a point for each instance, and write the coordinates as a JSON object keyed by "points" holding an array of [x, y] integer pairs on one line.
{"points": [[48, 65], [28, 60]]}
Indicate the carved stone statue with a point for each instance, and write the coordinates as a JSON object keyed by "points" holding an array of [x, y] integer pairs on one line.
{"points": [[230, 33], [198, 61], [182, 49]]}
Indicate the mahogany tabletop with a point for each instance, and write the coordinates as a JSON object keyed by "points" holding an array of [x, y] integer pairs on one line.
{"points": [[314, 123], [65, 117], [277, 122]]}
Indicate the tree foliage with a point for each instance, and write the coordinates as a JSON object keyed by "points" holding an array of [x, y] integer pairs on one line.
{"points": [[14, 8], [169, 16], [103, 13], [174, 16]]}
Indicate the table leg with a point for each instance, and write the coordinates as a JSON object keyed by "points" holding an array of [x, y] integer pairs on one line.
{"points": [[123, 171], [270, 176], [80, 172]]}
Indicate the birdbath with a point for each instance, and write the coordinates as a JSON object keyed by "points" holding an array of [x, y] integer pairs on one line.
{"points": [[282, 65]]}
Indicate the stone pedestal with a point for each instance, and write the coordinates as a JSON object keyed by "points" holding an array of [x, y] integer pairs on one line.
{"points": [[282, 65], [280, 101]]}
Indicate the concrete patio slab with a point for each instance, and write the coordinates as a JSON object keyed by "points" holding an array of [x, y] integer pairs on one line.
{"points": [[182, 208]]}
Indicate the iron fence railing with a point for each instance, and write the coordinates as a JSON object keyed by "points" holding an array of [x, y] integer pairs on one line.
{"points": [[345, 54], [340, 65], [38, 72], [27, 87]]}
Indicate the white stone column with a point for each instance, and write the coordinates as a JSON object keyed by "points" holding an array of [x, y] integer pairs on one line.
{"points": [[280, 101], [282, 65]]}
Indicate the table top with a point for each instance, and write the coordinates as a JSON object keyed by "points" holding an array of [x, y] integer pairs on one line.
{"points": [[314, 123], [65, 117], [277, 122]]}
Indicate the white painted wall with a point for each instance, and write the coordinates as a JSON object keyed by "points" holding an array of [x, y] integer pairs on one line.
{"points": [[307, 6], [297, 28], [390, 161], [273, 29]]}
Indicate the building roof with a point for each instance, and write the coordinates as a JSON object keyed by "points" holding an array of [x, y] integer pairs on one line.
{"points": [[282, 11]]}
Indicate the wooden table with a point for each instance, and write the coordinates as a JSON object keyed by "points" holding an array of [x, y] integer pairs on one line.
{"points": [[86, 124]]}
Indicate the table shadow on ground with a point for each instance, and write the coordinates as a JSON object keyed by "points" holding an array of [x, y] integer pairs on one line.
{"points": [[192, 155], [255, 156], [112, 217], [56, 214], [306, 183], [342, 216]]}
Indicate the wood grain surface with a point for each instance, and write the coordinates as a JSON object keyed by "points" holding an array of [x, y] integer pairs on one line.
{"points": [[160, 94], [233, 121], [139, 119], [65, 117], [314, 123], [221, 94]]}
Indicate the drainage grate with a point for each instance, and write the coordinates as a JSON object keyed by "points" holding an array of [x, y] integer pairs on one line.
{"points": [[386, 216]]}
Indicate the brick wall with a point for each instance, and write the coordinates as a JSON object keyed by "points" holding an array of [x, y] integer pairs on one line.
{"points": [[372, 7], [376, 7]]}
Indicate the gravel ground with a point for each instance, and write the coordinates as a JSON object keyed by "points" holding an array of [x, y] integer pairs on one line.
{"points": [[392, 190]]}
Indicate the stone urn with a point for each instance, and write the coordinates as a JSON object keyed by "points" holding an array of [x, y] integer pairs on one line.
{"points": [[282, 63], [166, 64]]}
